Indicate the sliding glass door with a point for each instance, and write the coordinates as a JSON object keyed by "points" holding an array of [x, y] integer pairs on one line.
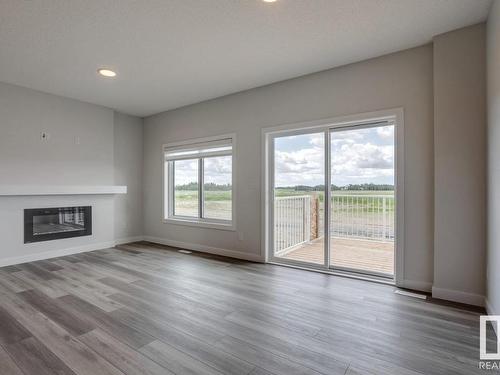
{"points": [[362, 225], [299, 198], [333, 202]]}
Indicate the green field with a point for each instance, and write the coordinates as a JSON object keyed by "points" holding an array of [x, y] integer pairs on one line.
{"points": [[320, 194], [218, 203]]}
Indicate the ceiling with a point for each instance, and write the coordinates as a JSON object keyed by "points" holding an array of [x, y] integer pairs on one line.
{"points": [[170, 53]]}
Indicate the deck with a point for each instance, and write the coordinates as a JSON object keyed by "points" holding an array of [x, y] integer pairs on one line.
{"points": [[374, 256]]}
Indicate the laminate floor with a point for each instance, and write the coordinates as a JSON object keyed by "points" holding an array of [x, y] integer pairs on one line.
{"points": [[147, 309]]}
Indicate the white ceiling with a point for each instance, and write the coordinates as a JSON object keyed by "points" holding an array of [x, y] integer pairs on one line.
{"points": [[170, 53]]}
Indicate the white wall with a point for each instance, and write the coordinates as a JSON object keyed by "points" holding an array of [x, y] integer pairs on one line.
{"points": [[403, 79], [90, 160], [493, 73], [460, 165], [128, 162]]}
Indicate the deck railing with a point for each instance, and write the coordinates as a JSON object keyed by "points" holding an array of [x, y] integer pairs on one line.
{"points": [[299, 219], [292, 222], [363, 216]]}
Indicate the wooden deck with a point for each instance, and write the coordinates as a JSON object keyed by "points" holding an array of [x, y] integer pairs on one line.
{"points": [[357, 254]]}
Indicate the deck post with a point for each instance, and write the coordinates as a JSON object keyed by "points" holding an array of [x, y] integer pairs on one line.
{"points": [[384, 219], [314, 212]]}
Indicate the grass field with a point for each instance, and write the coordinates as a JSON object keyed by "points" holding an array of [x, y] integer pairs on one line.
{"points": [[320, 194], [355, 213], [218, 203]]}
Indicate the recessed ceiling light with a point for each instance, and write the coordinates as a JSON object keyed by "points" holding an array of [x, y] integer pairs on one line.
{"points": [[269, 1], [106, 72]]}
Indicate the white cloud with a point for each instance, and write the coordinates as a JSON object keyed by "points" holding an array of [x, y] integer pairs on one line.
{"points": [[301, 167], [348, 135], [217, 170], [362, 162], [386, 132], [353, 161], [317, 140], [356, 158], [363, 156]]}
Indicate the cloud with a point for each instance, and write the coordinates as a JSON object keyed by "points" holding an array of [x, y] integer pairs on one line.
{"points": [[386, 132], [218, 165], [357, 157], [217, 170], [304, 166], [354, 160], [317, 140], [363, 156], [362, 162]]}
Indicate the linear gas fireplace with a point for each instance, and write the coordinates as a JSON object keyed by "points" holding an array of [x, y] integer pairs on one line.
{"points": [[45, 224]]}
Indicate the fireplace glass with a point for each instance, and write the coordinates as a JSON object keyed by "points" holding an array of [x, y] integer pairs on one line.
{"points": [[45, 224]]}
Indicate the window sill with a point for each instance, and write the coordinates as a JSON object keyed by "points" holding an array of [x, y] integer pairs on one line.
{"points": [[200, 224]]}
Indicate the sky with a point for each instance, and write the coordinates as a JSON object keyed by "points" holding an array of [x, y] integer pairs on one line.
{"points": [[217, 170], [358, 156]]}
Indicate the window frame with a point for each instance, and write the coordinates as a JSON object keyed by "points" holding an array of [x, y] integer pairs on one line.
{"points": [[169, 183]]}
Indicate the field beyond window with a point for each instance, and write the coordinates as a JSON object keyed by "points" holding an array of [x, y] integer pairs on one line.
{"points": [[216, 175], [217, 203], [186, 170]]}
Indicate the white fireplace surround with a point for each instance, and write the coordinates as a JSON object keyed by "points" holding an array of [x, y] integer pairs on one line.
{"points": [[15, 198]]}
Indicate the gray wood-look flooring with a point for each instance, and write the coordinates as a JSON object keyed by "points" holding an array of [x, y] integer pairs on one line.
{"points": [[147, 309]]}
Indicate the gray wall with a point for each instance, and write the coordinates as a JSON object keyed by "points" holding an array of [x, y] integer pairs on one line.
{"points": [[25, 159], [403, 79], [493, 72], [88, 145], [460, 164], [128, 162]]}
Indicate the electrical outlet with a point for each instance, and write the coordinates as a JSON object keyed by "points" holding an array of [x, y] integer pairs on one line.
{"points": [[77, 140], [44, 136], [240, 235]]}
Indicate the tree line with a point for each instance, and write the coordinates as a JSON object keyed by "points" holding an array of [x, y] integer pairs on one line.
{"points": [[355, 187], [207, 187]]}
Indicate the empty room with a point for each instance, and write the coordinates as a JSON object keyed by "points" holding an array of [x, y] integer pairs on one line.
{"points": [[249, 187]]}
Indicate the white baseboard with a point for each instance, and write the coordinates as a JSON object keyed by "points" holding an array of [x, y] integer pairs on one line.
{"points": [[68, 251], [458, 296], [121, 241], [205, 249], [55, 253], [423, 286]]}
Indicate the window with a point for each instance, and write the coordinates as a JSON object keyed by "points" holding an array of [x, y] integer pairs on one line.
{"points": [[199, 182], [186, 188]]}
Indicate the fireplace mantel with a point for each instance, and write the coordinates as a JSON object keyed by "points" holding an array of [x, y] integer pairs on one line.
{"points": [[40, 190]]}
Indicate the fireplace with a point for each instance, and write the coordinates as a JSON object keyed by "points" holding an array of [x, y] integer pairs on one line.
{"points": [[46, 224]]}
